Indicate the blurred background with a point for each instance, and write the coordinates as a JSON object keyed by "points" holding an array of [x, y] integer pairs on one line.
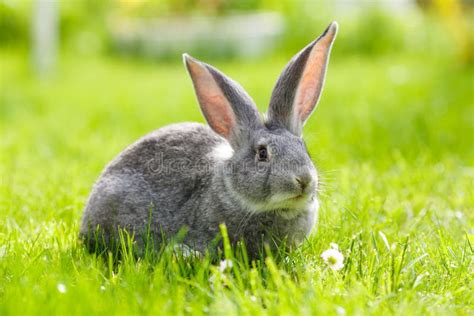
{"points": [[80, 80], [227, 28], [163, 29]]}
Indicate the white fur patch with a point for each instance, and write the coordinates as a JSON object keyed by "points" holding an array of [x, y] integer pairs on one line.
{"points": [[223, 151]]}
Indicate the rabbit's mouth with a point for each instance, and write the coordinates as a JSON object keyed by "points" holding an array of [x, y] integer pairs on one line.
{"points": [[298, 204], [294, 201], [299, 197]]}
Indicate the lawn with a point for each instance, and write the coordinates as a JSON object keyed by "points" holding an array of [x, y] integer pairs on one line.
{"points": [[392, 139]]}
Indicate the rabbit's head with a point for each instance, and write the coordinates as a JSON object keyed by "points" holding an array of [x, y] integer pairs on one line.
{"points": [[268, 166]]}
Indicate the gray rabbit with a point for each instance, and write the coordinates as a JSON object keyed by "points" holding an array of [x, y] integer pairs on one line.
{"points": [[250, 172]]}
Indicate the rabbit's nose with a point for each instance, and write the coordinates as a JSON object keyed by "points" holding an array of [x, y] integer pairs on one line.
{"points": [[303, 181]]}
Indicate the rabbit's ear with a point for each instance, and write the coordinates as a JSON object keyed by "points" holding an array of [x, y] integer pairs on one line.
{"points": [[299, 87], [228, 109]]}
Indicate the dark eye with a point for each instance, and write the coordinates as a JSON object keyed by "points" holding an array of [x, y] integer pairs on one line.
{"points": [[262, 153]]}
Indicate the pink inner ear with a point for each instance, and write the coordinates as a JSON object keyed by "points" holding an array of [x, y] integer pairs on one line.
{"points": [[218, 114], [215, 107], [312, 79]]}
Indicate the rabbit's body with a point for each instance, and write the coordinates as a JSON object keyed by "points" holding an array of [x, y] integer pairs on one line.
{"points": [[252, 174], [141, 191]]}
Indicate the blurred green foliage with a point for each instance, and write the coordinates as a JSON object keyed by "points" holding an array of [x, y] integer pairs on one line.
{"points": [[13, 25], [375, 34], [179, 7], [444, 26]]}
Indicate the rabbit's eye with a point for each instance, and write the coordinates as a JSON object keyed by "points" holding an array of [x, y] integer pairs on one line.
{"points": [[262, 154]]}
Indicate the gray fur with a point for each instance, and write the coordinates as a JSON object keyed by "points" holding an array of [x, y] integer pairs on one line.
{"points": [[172, 179]]}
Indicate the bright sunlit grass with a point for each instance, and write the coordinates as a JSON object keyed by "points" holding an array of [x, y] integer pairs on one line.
{"points": [[392, 137]]}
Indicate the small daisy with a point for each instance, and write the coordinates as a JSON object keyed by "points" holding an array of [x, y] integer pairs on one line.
{"points": [[225, 265], [333, 257]]}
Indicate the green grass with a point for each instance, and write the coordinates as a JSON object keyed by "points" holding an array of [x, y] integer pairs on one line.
{"points": [[392, 137]]}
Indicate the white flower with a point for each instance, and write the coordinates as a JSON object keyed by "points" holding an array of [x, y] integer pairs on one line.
{"points": [[333, 258], [225, 265], [61, 288]]}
